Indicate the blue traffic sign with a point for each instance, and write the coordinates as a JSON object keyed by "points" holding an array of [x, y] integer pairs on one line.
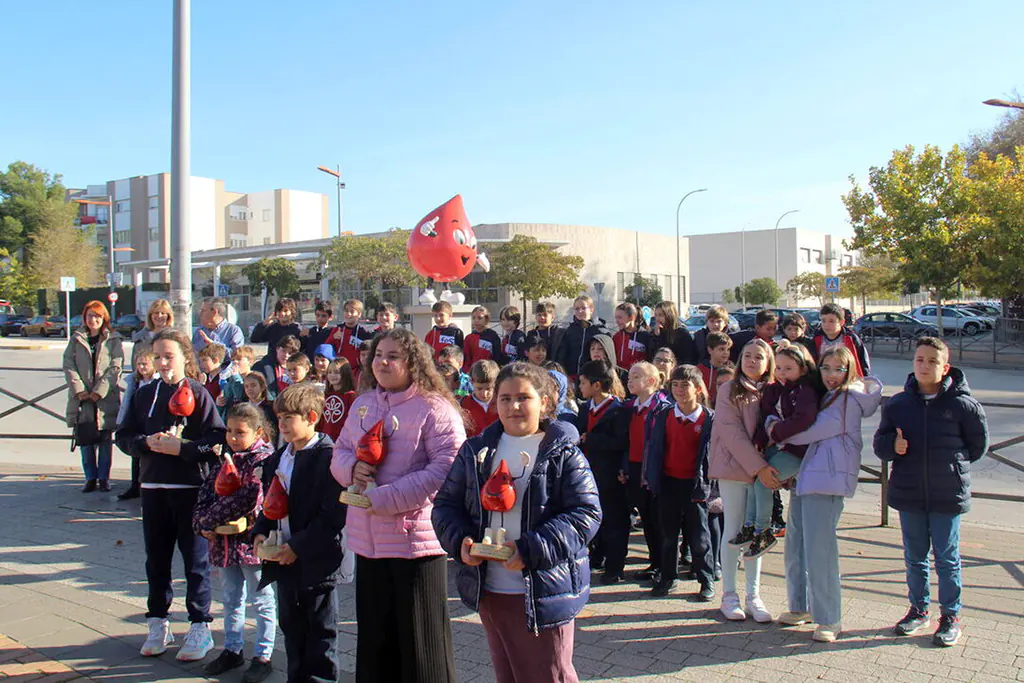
{"points": [[832, 284]]}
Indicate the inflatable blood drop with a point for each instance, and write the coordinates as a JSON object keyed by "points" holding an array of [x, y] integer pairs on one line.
{"points": [[371, 447], [498, 494], [228, 479], [442, 246], [183, 401], [275, 505]]}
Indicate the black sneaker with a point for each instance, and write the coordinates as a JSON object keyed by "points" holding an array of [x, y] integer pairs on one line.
{"points": [[644, 574], [612, 579], [90, 486], [258, 671], [745, 536], [597, 563], [663, 588], [912, 623], [226, 661], [706, 593], [762, 543], [948, 633], [104, 486], [129, 494]]}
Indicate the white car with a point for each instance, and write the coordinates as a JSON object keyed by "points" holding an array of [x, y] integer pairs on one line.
{"points": [[952, 320], [696, 322]]}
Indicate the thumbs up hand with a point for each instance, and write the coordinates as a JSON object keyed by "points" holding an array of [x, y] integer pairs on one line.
{"points": [[900, 446]]}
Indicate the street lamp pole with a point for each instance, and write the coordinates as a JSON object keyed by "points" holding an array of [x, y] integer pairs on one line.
{"points": [[679, 279], [181, 162], [341, 186], [777, 244], [1004, 103]]}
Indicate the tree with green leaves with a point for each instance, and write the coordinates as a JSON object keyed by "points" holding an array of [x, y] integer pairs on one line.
{"points": [[27, 198], [759, 291], [277, 275], [1004, 139], [58, 248], [14, 281], [808, 285], [535, 271], [875, 277], [382, 261], [918, 211], [649, 293], [998, 192], [728, 296]]}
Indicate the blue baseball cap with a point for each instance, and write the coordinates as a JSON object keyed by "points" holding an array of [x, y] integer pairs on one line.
{"points": [[325, 350]]}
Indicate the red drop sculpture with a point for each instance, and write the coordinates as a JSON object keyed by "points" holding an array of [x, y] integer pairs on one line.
{"points": [[183, 401], [498, 494], [371, 447], [442, 246], [228, 479], [275, 505]]}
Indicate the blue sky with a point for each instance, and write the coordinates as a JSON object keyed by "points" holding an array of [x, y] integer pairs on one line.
{"points": [[591, 113]]}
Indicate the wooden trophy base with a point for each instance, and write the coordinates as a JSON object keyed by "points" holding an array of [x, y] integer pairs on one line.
{"points": [[232, 528], [270, 548], [490, 551], [355, 499]]}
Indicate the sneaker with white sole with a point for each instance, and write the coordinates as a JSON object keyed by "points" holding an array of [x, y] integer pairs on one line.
{"points": [[198, 643], [159, 638], [756, 609], [731, 608], [827, 633], [795, 618]]}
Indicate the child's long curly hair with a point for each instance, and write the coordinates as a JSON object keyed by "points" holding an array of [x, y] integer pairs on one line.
{"points": [[420, 359], [185, 344]]}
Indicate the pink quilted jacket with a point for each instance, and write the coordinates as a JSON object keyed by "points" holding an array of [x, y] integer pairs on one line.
{"points": [[420, 453], [734, 457]]}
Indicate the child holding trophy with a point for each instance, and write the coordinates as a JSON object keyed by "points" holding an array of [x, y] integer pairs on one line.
{"points": [[402, 435], [531, 471]]}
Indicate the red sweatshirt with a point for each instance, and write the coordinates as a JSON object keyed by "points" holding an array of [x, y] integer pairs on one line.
{"points": [[440, 337], [336, 407], [346, 342], [480, 346], [479, 418], [631, 347]]}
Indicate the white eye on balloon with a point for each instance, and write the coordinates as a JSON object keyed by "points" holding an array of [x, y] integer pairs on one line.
{"points": [[460, 236], [472, 242]]}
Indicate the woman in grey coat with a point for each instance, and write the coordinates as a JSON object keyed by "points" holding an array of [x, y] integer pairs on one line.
{"points": [[92, 365]]}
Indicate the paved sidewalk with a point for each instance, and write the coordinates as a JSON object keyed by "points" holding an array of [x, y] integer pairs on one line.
{"points": [[72, 599]]}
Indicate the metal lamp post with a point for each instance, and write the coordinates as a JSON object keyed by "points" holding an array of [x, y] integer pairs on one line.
{"points": [[1004, 103], [777, 244], [181, 166], [341, 186], [679, 279]]}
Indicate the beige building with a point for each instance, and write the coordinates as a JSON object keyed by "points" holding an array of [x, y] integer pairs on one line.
{"points": [[217, 219]]}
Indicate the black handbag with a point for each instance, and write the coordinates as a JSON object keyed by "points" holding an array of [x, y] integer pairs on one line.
{"points": [[87, 430]]}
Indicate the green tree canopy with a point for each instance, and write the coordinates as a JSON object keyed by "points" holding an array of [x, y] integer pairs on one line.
{"points": [[276, 274], [14, 281], [875, 277], [534, 270], [650, 293], [58, 248], [760, 290], [27, 198], [808, 285], [998, 194], [379, 260]]}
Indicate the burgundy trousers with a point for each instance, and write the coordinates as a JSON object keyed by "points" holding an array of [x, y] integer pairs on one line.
{"points": [[518, 655]]}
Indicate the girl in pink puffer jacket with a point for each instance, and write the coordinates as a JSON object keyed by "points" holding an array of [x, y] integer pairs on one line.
{"points": [[401, 568]]}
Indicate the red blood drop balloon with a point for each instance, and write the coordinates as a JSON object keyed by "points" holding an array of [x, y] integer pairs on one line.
{"points": [[498, 494], [275, 505], [443, 245], [183, 401], [371, 447], [228, 478]]}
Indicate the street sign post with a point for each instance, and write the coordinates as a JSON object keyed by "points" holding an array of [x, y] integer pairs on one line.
{"points": [[647, 314], [832, 285], [67, 285], [112, 297], [598, 287]]}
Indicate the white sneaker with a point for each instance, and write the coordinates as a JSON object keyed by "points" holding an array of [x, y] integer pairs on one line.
{"points": [[827, 633], [198, 642], [159, 638], [756, 608], [795, 618], [731, 608]]}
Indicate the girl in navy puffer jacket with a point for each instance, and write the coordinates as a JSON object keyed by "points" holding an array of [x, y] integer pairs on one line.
{"points": [[529, 602]]}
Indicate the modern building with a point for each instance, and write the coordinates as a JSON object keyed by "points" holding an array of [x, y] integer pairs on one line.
{"points": [[217, 219], [720, 261]]}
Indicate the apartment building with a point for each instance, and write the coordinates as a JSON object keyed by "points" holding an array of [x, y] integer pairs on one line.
{"points": [[217, 218]]}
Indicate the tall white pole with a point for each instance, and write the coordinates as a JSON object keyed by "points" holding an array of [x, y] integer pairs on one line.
{"points": [[679, 279], [110, 234], [777, 284], [181, 134]]}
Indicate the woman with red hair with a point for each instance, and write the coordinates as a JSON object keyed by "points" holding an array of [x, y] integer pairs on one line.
{"points": [[92, 364]]}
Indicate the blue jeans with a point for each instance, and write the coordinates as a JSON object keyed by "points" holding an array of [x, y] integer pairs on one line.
{"points": [[941, 534], [237, 583], [812, 557], [92, 468], [759, 505]]}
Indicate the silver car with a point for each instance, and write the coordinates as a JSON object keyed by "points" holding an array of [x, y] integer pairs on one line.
{"points": [[953, 320]]}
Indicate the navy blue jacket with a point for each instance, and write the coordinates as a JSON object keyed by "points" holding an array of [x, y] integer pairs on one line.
{"points": [[944, 436], [574, 347], [315, 517], [654, 455], [272, 334], [561, 515], [606, 442]]}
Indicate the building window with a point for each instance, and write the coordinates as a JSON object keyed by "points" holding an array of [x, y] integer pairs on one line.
{"points": [[818, 256], [122, 236], [102, 214], [154, 234], [123, 207], [848, 259], [154, 202], [805, 255], [266, 215], [266, 240], [238, 213]]}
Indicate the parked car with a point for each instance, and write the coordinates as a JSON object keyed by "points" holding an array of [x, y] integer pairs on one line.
{"points": [[892, 325], [953, 320], [11, 323], [697, 322], [990, 309], [811, 315], [979, 312], [43, 326], [6, 307], [128, 324], [744, 320]]}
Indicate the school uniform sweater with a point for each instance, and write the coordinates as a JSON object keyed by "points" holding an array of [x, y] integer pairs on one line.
{"points": [[480, 346], [271, 334], [631, 347], [479, 417], [512, 347], [440, 337], [336, 410], [347, 340], [682, 444]]}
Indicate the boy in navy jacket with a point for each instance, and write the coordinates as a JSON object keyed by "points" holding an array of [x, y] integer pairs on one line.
{"points": [[931, 432], [310, 554]]}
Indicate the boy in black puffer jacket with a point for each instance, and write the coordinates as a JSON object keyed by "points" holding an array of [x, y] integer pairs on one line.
{"points": [[932, 432]]}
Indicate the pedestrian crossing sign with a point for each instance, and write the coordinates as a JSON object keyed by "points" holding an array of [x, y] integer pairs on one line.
{"points": [[832, 284]]}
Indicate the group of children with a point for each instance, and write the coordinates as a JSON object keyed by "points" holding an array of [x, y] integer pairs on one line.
{"points": [[693, 443]]}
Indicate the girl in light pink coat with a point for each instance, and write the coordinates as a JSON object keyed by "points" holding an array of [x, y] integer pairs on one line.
{"points": [[401, 570], [735, 462]]}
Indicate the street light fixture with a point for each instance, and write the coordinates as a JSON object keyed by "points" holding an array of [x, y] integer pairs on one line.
{"points": [[109, 203], [1004, 103], [679, 279], [777, 244], [341, 186]]}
